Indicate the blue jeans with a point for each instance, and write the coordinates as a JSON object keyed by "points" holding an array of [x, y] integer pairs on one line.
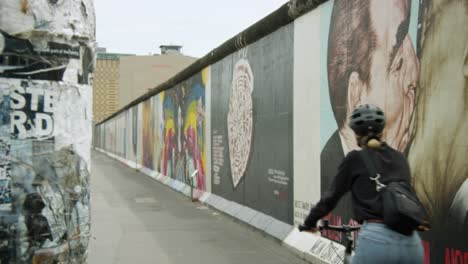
{"points": [[378, 244]]}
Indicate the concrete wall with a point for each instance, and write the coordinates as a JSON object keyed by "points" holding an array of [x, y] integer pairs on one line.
{"points": [[251, 123], [46, 69], [276, 120]]}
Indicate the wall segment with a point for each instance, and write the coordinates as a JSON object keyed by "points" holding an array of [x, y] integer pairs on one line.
{"points": [[265, 122]]}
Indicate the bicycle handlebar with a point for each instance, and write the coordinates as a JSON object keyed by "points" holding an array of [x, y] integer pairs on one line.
{"points": [[342, 228], [326, 226]]}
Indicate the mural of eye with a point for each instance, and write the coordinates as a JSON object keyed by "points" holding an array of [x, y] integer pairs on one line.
{"points": [[240, 119]]}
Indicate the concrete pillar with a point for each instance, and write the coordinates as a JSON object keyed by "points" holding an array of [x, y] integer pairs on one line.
{"points": [[46, 68]]}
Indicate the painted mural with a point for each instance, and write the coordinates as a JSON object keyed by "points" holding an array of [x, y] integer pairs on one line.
{"points": [[157, 125], [439, 145], [134, 127], [183, 135], [280, 107], [375, 60], [120, 135], [240, 119], [147, 134], [251, 128], [363, 63], [172, 126]]}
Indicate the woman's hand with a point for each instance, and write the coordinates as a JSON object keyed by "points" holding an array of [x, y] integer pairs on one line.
{"points": [[303, 228]]}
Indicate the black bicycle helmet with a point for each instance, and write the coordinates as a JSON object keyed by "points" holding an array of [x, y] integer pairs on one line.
{"points": [[367, 118]]}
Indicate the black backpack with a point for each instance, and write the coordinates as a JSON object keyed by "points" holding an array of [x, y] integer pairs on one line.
{"points": [[402, 210]]}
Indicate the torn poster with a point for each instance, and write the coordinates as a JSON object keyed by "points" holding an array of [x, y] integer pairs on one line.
{"points": [[31, 110], [44, 60], [46, 68], [5, 164]]}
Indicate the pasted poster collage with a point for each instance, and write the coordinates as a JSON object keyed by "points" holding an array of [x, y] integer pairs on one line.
{"points": [[46, 72], [44, 179]]}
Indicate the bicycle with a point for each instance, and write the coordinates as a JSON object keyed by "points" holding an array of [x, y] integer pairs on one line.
{"points": [[349, 240]]}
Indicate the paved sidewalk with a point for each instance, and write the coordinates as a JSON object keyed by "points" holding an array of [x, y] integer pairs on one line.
{"points": [[137, 220]]}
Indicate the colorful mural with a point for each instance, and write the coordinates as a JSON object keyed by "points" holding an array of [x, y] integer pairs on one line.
{"points": [[375, 60], [184, 150], [147, 133]]}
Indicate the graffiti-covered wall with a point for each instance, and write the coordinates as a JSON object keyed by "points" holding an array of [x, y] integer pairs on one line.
{"points": [[386, 55], [46, 67], [166, 133], [266, 124], [251, 125], [437, 144], [183, 131]]}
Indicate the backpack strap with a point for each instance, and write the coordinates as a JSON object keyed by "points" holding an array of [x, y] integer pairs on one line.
{"points": [[371, 169]]}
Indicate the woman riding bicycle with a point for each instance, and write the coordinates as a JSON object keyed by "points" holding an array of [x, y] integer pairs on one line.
{"points": [[376, 242]]}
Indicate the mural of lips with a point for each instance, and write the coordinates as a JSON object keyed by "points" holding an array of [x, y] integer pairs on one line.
{"points": [[240, 119]]}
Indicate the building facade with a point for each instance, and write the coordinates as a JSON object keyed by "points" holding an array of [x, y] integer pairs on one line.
{"points": [[121, 78], [138, 74], [106, 85]]}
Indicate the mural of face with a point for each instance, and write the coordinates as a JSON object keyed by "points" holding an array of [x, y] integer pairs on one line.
{"points": [[439, 149], [394, 69], [240, 119], [370, 59], [380, 65]]}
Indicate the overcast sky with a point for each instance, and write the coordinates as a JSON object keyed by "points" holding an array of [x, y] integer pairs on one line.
{"points": [[141, 26]]}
